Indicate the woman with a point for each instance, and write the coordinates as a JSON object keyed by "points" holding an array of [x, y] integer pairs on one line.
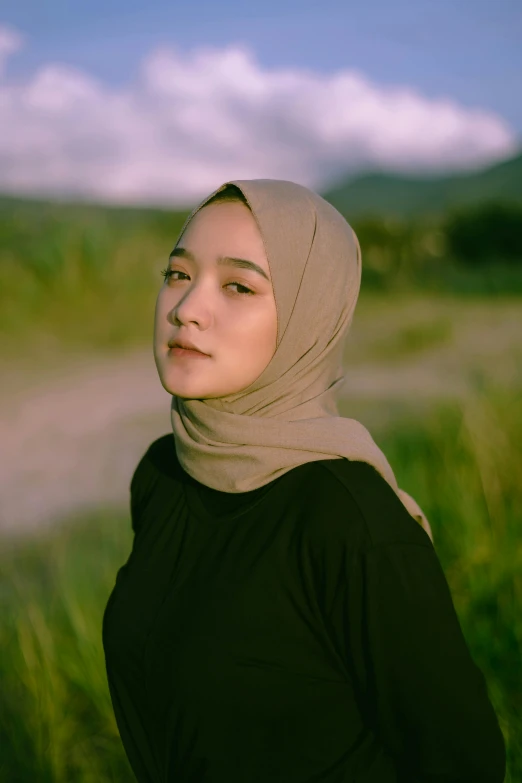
{"points": [[282, 616]]}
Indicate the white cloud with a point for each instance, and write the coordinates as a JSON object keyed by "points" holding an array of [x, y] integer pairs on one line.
{"points": [[193, 121]]}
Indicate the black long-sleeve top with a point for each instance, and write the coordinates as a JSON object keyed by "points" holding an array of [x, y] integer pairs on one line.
{"points": [[302, 632]]}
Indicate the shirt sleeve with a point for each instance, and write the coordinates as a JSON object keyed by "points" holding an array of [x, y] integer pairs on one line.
{"points": [[426, 697]]}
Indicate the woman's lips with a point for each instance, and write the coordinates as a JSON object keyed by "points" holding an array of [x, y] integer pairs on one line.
{"points": [[184, 353]]}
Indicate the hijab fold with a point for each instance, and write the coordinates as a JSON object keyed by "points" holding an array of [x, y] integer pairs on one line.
{"points": [[289, 415]]}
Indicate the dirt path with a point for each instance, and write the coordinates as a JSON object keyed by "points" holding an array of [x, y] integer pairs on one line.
{"points": [[70, 442]]}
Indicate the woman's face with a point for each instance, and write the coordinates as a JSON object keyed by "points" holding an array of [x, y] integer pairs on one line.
{"points": [[202, 301]]}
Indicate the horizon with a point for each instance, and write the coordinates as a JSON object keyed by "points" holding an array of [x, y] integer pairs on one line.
{"points": [[78, 201]]}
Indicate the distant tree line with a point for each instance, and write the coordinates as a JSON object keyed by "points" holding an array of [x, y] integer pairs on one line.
{"points": [[487, 232], [473, 249], [472, 236]]}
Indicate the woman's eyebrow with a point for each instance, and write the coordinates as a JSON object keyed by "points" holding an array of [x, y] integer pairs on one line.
{"points": [[243, 263]]}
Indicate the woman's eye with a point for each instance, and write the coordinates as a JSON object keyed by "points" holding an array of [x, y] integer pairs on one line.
{"points": [[168, 273]]}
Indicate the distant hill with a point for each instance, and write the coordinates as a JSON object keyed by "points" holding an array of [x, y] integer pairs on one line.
{"points": [[379, 194], [394, 195]]}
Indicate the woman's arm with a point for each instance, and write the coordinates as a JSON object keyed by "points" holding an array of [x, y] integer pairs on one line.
{"points": [[427, 697]]}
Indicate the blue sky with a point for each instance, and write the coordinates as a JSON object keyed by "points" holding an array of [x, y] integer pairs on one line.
{"points": [[466, 51]]}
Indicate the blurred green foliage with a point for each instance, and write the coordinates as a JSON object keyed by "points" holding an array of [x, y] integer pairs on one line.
{"points": [[490, 231], [472, 250], [86, 275], [89, 275], [460, 463]]}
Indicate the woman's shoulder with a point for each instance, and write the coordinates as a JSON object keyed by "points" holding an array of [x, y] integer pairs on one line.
{"points": [[146, 487], [162, 452], [160, 458], [384, 517]]}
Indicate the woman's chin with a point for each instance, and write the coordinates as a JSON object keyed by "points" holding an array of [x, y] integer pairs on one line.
{"points": [[193, 388], [185, 392], [188, 390]]}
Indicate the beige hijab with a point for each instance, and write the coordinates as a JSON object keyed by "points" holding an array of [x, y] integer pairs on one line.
{"points": [[289, 415]]}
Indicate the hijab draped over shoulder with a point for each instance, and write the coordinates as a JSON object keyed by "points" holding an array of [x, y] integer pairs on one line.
{"points": [[289, 415]]}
